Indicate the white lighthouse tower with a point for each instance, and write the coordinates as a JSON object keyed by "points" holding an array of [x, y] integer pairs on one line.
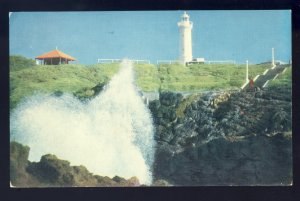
{"points": [[185, 40]]}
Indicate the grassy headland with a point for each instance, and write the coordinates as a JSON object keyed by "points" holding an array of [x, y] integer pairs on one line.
{"points": [[80, 79], [62, 78], [176, 77]]}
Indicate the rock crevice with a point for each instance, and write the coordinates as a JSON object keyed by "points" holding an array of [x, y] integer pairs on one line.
{"points": [[222, 138]]}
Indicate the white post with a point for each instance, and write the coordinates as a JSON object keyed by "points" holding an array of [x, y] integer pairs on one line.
{"points": [[273, 58], [247, 68]]}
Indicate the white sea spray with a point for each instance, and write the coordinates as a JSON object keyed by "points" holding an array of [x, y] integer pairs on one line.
{"points": [[111, 135]]}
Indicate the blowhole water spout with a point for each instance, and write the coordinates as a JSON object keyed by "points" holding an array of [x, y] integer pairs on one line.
{"points": [[110, 135]]}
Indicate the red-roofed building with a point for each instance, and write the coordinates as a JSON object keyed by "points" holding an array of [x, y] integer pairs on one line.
{"points": [[55, 57]]}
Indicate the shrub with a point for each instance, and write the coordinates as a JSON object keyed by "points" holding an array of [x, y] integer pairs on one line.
{"points": [[19, 62]]}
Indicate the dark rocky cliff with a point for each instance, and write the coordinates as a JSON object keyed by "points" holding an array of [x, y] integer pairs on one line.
{"points": [[53, 172], [213, 138], [224, 138]]}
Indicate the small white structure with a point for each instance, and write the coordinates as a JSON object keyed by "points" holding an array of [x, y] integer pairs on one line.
{"points": [[196, 61], [273, 57], [199, 60], [247, 70], [185, 40]]}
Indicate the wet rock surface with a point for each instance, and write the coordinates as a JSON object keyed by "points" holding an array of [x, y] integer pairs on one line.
{"points": [[224, 138], [53, 172], [213, 138]]}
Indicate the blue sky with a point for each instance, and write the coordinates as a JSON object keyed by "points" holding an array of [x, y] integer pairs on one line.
{"points": [[152, 35]]}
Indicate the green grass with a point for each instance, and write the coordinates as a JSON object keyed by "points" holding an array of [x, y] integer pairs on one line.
{"points": [[65, 78], [283, 80], [79, 79], [18, 62], [176, 77], [147, 77]]}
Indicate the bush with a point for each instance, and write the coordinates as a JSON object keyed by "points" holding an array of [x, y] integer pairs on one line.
{"points": [[19, 62]]}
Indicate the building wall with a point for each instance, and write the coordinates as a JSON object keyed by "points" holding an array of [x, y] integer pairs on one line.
{"points": [[55, 61]]}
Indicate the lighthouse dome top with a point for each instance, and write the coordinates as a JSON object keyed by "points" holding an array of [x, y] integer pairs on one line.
{"points": [[185, 16], [185, 21]]}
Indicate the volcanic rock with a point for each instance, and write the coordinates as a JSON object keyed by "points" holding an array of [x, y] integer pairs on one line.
{"points": [[53, 172], [224, 138]]}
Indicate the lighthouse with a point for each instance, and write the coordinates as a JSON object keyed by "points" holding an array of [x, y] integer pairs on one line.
{"points": [[185, 39]]}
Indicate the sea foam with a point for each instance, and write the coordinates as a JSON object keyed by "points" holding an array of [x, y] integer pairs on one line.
{"points": [[111, 135]]}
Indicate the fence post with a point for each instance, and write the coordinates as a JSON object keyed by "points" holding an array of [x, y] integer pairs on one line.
{"points": [[247, 78]]}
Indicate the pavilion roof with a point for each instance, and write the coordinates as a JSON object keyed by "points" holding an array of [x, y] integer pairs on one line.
{"points": [[55, 54]]}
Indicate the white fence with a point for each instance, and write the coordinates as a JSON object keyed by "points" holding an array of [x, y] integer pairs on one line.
{"points": [[137, 61], [195, 62], [167, 61], [103, 61], [140, 61], [244, 85], [222, 62]]}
